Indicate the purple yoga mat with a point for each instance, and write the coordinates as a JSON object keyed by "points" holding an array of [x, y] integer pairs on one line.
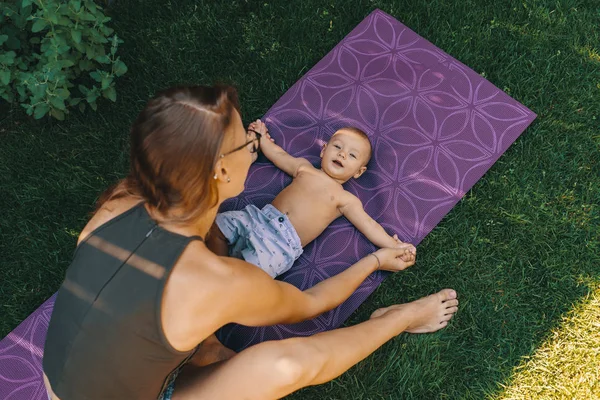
{"points": [[21, 357], [436, 128]]}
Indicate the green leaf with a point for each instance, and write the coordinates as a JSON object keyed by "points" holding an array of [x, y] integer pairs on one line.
{"points": [[96, 76], [83, 89], [86, 65], [41, 110], [51, 15], [90, 52], [79, 47], [57, 103], [21, 91], [63, 93], [5, 76], [37, 91], [25, 11], [25, 3], [76, 4], [94, 106], [45, 45], [8, 58], [67, 63], [58, 114], [8, 96], [63, 49], [76, 36], [74, 101], [3, 38], [85, 16], [111, 94], [65, 21], [13, 41], [119, 68], [102, 59], [82, 107], [106, 81], [39, 25], [50, 52], [91, 98], [28, 107]]}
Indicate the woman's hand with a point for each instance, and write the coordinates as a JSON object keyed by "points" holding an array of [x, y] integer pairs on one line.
{"points": [[395, 259], [401, 245]]}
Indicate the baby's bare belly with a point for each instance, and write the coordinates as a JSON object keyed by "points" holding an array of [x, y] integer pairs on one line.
{"points": [[307, 212]]}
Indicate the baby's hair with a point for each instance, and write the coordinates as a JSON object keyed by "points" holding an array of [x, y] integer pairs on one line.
{"points": [[361, 134]]}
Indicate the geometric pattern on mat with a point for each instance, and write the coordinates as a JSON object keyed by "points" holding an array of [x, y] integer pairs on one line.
{"points": [[436, 127], [21, 357]]}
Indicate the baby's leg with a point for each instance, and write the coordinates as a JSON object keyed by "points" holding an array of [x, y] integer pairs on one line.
{"points": [[217, 242], [231, 230]]}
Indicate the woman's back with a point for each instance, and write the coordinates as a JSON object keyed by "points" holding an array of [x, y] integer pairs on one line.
{"points": [[105, 336]]}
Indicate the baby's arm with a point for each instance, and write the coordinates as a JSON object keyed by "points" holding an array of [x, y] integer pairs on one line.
{"points": [[276, 154], [355, 213]]}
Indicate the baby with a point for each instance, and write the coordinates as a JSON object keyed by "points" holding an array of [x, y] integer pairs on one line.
{"points": [[274, 237]]}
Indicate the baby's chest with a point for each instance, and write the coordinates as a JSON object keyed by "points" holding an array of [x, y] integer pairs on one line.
{"points": [[320, 192]]}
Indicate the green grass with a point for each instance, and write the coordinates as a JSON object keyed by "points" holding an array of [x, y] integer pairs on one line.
{"points": [[568, 365], [522, 248]]}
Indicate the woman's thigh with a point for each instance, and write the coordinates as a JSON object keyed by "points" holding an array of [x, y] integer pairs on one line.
{"points": [[269, 370]]}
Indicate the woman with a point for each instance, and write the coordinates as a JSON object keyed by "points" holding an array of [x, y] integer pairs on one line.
{"points": [[144, 289]]}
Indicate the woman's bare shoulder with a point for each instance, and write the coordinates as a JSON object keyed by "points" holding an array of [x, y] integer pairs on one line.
{"points": [[199, 264], [200, 293], [108, 211]]}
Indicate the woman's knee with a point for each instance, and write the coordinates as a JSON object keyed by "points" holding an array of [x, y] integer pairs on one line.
{"points": [[289, 370], [297, 362]]}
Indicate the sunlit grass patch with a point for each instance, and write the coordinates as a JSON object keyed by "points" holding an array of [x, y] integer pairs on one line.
{"points": [[567, 366]]}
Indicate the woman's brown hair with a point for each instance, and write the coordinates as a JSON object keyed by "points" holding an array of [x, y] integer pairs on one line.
{"points": [[175, 143]]}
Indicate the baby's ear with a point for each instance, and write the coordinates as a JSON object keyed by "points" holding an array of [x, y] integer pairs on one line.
{"points": [[323, 150], [360, 172]]}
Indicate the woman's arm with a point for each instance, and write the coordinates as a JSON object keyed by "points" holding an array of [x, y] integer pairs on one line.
{"points": [[259, 300]]}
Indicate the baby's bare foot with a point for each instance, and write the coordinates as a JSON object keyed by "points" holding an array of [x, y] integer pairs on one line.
{"points": [[427, 314]]}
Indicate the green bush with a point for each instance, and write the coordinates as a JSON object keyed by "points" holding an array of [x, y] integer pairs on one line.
{"points": [[56, 55]]}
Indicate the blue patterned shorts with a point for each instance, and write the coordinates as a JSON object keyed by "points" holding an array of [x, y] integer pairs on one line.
{"points": [[265, 238]]}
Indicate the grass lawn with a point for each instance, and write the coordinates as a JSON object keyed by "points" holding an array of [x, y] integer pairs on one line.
{"points": [[522, 248]]}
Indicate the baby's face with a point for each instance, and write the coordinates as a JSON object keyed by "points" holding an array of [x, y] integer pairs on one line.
{"points": [[345, 155]]}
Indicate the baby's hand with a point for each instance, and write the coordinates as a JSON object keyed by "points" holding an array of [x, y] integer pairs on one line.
{"points": [[261, 128]]}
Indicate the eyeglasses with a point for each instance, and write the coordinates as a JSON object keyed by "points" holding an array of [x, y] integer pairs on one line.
{"points": [[255, 146]]}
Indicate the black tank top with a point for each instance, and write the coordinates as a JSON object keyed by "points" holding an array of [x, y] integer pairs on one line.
{"points": [[105, 339]]}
